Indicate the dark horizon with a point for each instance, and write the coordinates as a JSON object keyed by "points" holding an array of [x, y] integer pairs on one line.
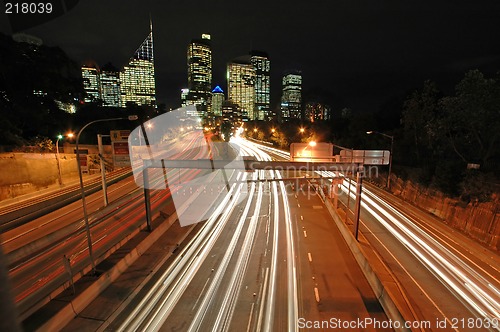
{"points": [[355, 56]]}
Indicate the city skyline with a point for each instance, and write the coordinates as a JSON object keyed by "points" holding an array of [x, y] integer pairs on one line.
{"points": [[358, 55]]}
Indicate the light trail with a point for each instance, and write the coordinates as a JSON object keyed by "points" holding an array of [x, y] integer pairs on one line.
{"points": [[224, 317], [479, 295], [292, 288], [155, 307], [465, 282], [222, 320]]}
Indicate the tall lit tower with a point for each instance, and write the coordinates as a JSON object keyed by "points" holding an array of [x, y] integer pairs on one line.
{"points": [[217, 100], [240, 85], [138, 77], [291, 98], [110, 86], [90, 75], [262, 66], [199, 61]]}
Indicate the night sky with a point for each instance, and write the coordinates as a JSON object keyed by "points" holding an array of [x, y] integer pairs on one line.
{"points": [[356, 54]]}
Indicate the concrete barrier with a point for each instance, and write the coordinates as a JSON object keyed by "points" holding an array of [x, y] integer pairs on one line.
{"points": [[82, 300], [386, 288]]}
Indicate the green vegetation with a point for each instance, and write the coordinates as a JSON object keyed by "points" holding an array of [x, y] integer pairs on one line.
{"points": [[436, 136], [446, 134], [32, 81]]}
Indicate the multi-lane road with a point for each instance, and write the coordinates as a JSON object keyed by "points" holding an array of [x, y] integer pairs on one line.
{"points": [[42, 252], [267, 255], [447, 277], [251, 266]]}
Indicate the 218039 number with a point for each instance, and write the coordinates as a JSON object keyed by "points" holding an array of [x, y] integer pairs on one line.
{"points": [[28, 8]]}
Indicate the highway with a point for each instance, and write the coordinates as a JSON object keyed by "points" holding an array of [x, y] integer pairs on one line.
{"points": [[266, 255], [208, 275], [444, 279], [250, 267], [37, 251]]}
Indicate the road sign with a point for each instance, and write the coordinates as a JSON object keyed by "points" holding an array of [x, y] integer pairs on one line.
{"points": [[119, 135], [84, 164], [367, 157], [121, 156], [317, 152], [473, 166]]}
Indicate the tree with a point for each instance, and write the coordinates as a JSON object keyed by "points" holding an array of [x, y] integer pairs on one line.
{"points": [[225, 129], [419, 114], [470, 120], [33, 80]]}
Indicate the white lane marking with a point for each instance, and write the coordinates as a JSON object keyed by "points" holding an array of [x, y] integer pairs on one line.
{"points": [[305, 234], [407, 273], [302, 218], [250, 318], [201, 293], [316, 293], [261, 310], [310, 257]]}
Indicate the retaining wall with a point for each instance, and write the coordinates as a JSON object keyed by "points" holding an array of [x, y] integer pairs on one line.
{"points": [[479, 221]]}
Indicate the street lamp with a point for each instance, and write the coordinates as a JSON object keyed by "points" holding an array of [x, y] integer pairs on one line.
{"points": [[312, 144], [390, 156], [70, 135], [82, 189], [302, 130]]}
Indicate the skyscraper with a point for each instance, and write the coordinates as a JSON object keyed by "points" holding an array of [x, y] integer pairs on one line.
{"points": [[199, 61], [138, 77], [217, 100], [291, 98], [240, 85], [262, 66], [315, 111], [184, 95], [109, 78], [91, 84]]}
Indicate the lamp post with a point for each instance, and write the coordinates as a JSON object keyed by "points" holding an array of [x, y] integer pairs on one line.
{"points": [[58, 158], [103, 168], [390, 156], [82, 188]]}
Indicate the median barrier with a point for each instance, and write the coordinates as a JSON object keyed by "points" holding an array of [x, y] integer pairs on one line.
{"points": [[383, 284]]}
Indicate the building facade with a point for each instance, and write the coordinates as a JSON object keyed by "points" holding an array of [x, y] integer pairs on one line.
{"points": [[110, 88], [217, 100], [91, 84], [262, 86], [184, 95], [316, 112], [138, 76], [199, 63], [291, 98], [240, 85]]}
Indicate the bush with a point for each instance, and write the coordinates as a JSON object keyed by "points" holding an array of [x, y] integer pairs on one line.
{"points": [[477, 186]]}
